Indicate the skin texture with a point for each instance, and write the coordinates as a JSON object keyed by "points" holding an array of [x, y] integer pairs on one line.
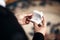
{"points": [[37, 28], [25, 19], [40, 28]]}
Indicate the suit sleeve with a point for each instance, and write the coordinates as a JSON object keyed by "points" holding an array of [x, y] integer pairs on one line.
{"points": [[38, 36]]}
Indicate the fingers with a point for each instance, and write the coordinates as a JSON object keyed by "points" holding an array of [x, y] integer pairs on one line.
{"points": [[43, 21], [27, 21], [41, 24], [29, 14], [40, 28], [28, 17]]}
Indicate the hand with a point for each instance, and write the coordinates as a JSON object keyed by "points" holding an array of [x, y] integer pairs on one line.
{"points": [[40, 28], [25, 19]]}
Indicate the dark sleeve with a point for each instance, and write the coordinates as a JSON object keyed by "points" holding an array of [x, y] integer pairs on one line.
{"points": [[10, 29], [38, 36]]}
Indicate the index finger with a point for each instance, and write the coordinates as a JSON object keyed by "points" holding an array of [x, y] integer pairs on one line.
{"points": [[43, 21]]}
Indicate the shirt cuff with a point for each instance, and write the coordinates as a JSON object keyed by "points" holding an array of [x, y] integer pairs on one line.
{"points": [[38, 36]]}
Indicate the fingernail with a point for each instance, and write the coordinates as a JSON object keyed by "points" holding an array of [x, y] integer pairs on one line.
{"points": [[39, 25]]}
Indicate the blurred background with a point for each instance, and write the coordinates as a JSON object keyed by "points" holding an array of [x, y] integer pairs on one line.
{"points": [[51, 10]]}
